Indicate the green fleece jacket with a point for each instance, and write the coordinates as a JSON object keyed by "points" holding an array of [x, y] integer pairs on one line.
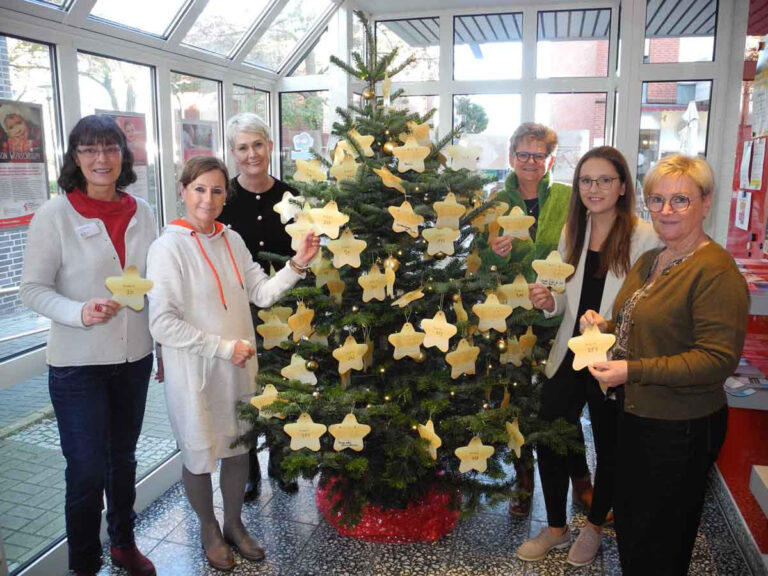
{"points": [[554, 198], [686, 334]]}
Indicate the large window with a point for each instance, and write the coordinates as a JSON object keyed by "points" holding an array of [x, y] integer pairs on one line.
{"points": [[220, 27], [251, 100], [490, 120], [573, 43], [305, 125], [488, 46], [421, 105], [419, 37], [579, 120], [680, 31], [149, 16], [126, 92], [318, 60]]}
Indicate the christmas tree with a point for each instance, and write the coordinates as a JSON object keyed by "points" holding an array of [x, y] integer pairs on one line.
{"points": [[406, 325]]}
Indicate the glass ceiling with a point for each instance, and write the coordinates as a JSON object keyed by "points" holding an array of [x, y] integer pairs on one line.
{"points": [[286, 32], [223, 23], [149, 16]]}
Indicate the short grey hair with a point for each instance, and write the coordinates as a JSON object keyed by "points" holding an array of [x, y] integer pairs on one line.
{"points": [[534, 131], [246, 122]]}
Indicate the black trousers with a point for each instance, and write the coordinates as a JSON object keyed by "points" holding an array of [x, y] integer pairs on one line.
{"points": [[564, 396], [661, 481]]}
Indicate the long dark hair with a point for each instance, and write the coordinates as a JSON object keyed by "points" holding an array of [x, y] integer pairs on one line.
{"points": [[614, 254], [101, 130]]}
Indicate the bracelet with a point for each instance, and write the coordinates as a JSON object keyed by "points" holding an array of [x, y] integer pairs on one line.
{"points": [[296, 268]]}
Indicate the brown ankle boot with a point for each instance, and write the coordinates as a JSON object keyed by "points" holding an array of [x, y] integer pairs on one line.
{"points": [[237, 537], [217, 552]]}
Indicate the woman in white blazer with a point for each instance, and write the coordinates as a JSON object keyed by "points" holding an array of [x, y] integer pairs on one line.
{"points": [[602, 239]]}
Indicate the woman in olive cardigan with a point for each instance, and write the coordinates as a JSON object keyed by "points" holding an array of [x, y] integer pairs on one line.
{"points": [[680, 322]]}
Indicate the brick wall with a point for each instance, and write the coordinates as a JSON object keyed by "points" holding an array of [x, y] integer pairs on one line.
{"points": [[12, 244]]}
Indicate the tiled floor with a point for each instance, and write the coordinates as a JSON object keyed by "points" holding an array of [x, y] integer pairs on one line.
{"points": [[300, 543]]}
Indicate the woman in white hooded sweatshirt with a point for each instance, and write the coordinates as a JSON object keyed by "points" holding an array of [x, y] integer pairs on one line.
{"points": [[204, 279]]}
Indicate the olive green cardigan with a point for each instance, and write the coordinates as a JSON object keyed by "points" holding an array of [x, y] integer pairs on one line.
{"points": [[686, 334]]}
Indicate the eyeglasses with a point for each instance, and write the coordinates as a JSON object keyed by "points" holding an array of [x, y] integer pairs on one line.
{"points": [[91, 152], [538, 158], [603, 182], [678, 203]]}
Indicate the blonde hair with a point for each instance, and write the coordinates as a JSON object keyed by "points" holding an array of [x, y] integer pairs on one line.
{"points": [[677, 165], [533, 131], [246, 122]]}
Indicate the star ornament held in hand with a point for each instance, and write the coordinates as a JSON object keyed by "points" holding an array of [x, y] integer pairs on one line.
{"points": [[309, 171], [474, 456], [492, 314], [464, 156], [129, 289], [463, 359], [448, 212], [427, 432], [516, 438], [273, 331], [301, 322], [374, 284], [349, 434], [438, 332], [301, 226], [411, 156], [516, 223], [390, 180], [592, 346], [288, 207], [405, 219], [516, 294], [346, 250], [328, 219], [407, 342], [297, 370], [440, 240], [552, 272], [305, 433], [350, 355]]}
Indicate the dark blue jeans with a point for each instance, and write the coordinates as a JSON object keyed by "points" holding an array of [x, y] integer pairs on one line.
{"points": [[99, 411]]}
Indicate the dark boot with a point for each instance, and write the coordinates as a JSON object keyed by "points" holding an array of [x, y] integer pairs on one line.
{"points": [[253, 485], [275, 471], [520, 504]]}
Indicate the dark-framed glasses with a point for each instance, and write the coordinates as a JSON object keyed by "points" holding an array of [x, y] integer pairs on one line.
{"points": [[94, 151], [538, 157], [603, 182], [677, 203]]}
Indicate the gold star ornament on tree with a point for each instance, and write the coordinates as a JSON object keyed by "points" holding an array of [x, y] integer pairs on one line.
{"points": [[288, 207], [448, 212], [273, 331], [438, 331], [297, 370], [301, 322], [374, 284], [349, 434], [389, 180], [305, 433], [268, 403], [514, 353], [516, 294], [463, 359], [344, 166], [440, 240], [492, 314], [302, 225], [327, 220], [346, 250], [405, 219], [420, 132], [516, 438], [464, 156], [411, 156], [427, 432], [130, 288], [552, 272], [407, 342], [309, 171], [350, 355], [474, 456], [409, 297]]}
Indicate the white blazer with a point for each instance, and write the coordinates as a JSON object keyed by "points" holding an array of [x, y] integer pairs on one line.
{"points": [[643, 239]]}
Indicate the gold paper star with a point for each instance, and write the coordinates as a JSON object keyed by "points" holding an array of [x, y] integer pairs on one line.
{"points": [[515, 294], [336, 289], [474, 456], [129, 289], [489, 215], [528, 341], [448, 212], [297, 370], [390, 180], [516, 223], [553, 271], [427, 432], [473, 261], [514, 354], [411, 156], [328, 219], [301, 322], [389, 275], [268, 403], [420, 132], [364, 142], [405, 219], [349, 434], [305, 433], [288, 207], [492, 314], [309, 171], [374, 284], [407, 342], [438, 331], [592, 346], [516, 439], [458, 307], [302, 225], [350, 355], [281, 312], [324, 272], [409, 297], [440, 240], [346, 250], [464, 156], [273, 331], [344, 166], [462, 360]]}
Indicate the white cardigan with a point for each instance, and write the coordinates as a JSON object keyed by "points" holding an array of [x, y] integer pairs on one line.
{"points": [[643, 239], [198, 335], [67, 260]]}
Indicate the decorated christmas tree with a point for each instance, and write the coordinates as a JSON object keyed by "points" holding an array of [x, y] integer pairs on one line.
{"points": [[404, 366]]}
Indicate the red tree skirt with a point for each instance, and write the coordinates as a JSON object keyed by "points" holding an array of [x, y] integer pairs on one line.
{"points": [[424, 521]]}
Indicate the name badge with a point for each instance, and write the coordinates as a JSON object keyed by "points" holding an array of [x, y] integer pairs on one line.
{"points": [[88, 230]]}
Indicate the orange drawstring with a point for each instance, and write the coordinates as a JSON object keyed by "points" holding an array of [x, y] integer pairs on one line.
{"points": [[232, 259], [213, 269]]}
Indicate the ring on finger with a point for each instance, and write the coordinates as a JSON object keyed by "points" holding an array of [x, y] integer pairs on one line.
{"points": [[97, 307]]}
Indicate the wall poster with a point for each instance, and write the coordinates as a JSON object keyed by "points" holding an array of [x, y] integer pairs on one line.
{"points": [[134, 126]]}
